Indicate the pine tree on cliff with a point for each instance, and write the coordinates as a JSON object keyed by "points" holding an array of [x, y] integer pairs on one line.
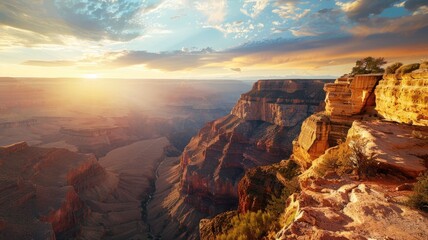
{"points": [[369, 65]]}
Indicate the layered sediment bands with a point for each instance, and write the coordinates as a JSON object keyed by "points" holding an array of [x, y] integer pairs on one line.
{"points": [[258, 132], [404, 99], [37, 198], [280, 102], [347, 99], [98, 140], [313, 139]]}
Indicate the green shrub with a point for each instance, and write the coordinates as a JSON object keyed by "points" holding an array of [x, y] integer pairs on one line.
{"points": [[264, 223], [419, 199], [368, 65], [407, 68], [249, 226], [393, 67]]}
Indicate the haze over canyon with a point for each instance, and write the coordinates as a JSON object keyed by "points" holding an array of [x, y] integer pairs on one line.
{"points": [[214, 119]]}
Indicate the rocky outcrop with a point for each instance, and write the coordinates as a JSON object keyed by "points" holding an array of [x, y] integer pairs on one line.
{"points": [[404, 98], [68, 195], [335, 208], [258, 132], [280, 102], [394, 147], [210, 229], [385, 156], [347, 99], [259, 185], [36, 188]]}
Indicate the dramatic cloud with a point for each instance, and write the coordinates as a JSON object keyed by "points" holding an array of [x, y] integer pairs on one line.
{"points": [[324, 21], [404, 25], [414, 5], [81, 19], [361, 9]]}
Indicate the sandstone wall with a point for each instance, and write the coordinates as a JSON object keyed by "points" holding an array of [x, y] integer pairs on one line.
{"points": [[405, 99]]}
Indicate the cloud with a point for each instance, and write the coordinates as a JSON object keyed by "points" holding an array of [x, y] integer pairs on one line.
{"points": [[238, 29], [253, 8], [403, 25], [167, 61], [362, 9], [82, 19], [414, 5], [333, 50], [236, 69], [214, 10], [288, 9], [58, 63]]}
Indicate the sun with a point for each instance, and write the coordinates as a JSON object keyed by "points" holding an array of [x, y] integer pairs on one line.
{"points": [[90, 76]]}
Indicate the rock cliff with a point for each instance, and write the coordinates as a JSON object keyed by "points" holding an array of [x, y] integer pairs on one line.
{"points": [[258, 131], [38, 187], [404, 98], [347, 99], [358, 189]]}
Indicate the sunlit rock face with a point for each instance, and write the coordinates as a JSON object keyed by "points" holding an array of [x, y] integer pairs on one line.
{"points": [[334, 208], [404, 98], [347, 99]]}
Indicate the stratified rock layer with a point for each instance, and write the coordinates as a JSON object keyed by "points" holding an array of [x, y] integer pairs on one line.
{"points": [[258, 132], [347, 99], [39, 191], [404, 99]]}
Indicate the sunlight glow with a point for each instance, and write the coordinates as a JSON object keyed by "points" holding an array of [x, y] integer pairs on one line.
{"points": [[90, 76]]}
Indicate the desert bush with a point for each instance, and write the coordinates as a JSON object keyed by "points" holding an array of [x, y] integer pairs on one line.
{"points": [[393, 67], [419, 199], [368, 65], [263, 223], [346, 158], [407, 68], [249, 226]]}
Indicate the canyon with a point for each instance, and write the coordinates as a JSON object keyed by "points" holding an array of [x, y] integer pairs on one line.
{"points": [[258, 131], [81, 161], [355, 165], [327, 159]]}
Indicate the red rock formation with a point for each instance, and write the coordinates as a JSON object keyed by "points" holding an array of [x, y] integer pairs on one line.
{"points": [[347, 100], [37, 186]]}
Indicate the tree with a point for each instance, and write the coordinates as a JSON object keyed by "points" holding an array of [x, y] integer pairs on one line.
{"points": [[369, 65]]}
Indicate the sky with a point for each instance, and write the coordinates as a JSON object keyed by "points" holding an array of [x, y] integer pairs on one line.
{"points": [[210, 39]]}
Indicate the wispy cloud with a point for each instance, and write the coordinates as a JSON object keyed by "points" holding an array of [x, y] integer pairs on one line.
{"points": [[214, 10], [253, 8]]}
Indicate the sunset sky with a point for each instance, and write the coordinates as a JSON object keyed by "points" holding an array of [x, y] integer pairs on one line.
{"points": [[211, 39]]}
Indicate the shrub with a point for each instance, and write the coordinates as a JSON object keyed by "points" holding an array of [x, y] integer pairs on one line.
{"points": [[393, 67], [407, 68], [368, 65], [249, 226], [264, 223], [419, 199]]}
